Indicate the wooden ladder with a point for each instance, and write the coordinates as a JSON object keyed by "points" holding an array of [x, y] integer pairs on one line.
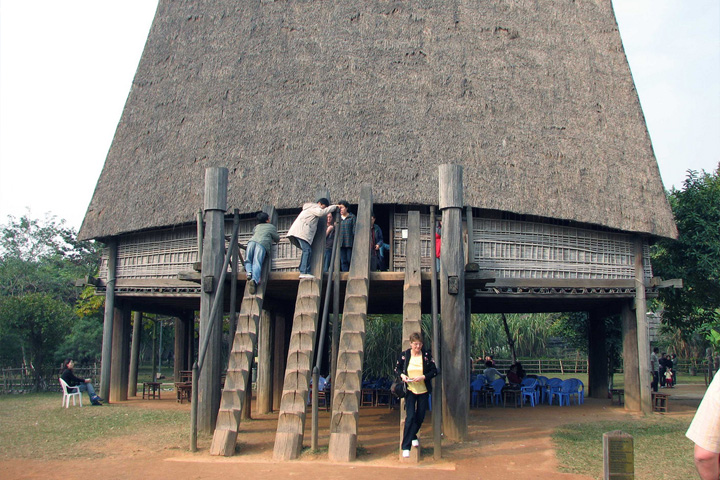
{"points": [[301, 353], [291, 419], [348, 377], [234, 394]]}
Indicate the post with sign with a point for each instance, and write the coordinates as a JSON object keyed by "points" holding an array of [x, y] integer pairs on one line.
{"points": [[618, 456]]}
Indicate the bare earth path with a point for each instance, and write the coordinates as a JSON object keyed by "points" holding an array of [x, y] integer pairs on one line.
{"points": [[504, 444]]}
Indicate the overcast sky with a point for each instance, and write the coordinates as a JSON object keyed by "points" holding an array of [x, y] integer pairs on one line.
{"points": [[66, 68]]}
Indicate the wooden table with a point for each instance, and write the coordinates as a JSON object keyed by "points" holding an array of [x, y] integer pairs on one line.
{"points": [[152, 390], [183, 391]]}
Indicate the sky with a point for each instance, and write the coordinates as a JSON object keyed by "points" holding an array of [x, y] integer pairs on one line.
{"points": [[66, 68]]}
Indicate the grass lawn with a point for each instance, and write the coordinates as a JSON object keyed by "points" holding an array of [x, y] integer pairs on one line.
{"points": [[661, 449], [36, 426]]}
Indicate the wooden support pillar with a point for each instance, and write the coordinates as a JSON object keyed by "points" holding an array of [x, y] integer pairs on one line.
{"points": [[279, 357], [190, 338], [120, 363], [412, 312], [630, 358], [181, 343], [135, 353], [216, 180], [108, 321], [455, 357], [264, 365], [597, 356], [642, 329]]}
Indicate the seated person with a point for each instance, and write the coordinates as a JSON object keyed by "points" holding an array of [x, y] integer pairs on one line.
{"points": [[491, 372], [83, 384], [516, 373]]}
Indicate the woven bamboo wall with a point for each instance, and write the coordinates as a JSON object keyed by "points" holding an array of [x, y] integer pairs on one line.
{"points": [[524, 249], [165, 253], [509, 248]]}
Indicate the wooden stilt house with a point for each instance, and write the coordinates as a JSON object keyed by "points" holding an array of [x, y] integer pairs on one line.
{"points": [[557, 195]]}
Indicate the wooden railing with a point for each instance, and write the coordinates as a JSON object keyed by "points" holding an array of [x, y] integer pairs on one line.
{"points": [[22, 380]]}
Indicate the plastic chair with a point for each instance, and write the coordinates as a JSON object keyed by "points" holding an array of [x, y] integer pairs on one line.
{"points": [[527, 389], [541, 388], [476, 387], [581, 391], [567, 388], [70, 392], [496, 386], [553, 385]]}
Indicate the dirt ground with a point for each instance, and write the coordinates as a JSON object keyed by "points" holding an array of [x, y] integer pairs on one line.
{"points": [[503, 444]]}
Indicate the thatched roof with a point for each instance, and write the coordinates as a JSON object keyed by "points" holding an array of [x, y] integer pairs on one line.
{"points": [[534, 98]]}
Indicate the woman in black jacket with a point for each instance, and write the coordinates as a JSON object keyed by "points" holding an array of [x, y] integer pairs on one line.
{"points": [[416, 368], [83, 384]]}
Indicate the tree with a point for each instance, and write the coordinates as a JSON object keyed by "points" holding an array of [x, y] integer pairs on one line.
{"points": [[39, 263], [695, 256]]}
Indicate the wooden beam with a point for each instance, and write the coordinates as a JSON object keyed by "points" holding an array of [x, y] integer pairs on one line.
{"points": [[108, 320], [597, 356], [630, 358], [135, 353], [264, 365], [119, 370]]}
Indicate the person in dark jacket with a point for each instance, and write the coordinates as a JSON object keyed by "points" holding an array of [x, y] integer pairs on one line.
{"points": [[347, 235], [82, 383], [415, 367]]}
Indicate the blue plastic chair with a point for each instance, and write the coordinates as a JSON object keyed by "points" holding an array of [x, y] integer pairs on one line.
{"points": [[541, 388], [497, 386], [567, 388], [581, 391], [553, 385], [477, 387], [527, 389]]}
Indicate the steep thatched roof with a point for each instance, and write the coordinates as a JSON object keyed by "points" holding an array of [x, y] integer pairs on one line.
{"points": [[533, 97]]}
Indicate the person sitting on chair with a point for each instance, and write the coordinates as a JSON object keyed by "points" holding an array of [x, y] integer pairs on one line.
{"points": [[82, 383]]}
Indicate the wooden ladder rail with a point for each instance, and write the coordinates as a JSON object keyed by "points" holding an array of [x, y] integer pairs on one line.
{"points": [[296, 384], [348, 378], [234, 394]]}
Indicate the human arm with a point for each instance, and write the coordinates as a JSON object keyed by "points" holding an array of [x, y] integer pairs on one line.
{"points": [[707, 463]]}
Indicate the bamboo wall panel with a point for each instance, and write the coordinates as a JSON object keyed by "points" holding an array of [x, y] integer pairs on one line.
{"points": [[525, 249], [165, 253]]}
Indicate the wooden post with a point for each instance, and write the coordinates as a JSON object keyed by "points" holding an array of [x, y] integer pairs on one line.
{"points": [[264, 365], [121, 356], [412, 312], [437, 381], [455, 356], [279, 356], [336, 316], [642, 329], [154, 352], [135, 354], [181, 341], [216, 180], [190, 336], [630, 358], [108, 321], [597, 356]]}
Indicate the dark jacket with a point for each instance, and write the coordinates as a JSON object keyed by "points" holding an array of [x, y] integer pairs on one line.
{"points": [[429, 368], [70, 378], [347, 231]]}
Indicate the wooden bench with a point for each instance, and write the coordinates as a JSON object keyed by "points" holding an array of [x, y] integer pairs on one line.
{"points": [[620, 396], [515, 395], [660, 402], [152, 390]]}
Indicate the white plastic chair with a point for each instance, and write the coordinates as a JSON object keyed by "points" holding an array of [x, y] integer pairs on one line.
{"points": [[68, 392]]}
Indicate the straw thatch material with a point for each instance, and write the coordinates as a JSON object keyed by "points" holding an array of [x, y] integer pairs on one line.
{"points": [[534, 98]]}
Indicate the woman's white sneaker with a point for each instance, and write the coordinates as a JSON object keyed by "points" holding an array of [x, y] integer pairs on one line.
{"points": [[416, 443], [406, 453]]}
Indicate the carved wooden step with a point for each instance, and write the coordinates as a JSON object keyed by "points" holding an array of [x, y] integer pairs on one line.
{"points": [[232, 400], [351, 350], [293, 403]]}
